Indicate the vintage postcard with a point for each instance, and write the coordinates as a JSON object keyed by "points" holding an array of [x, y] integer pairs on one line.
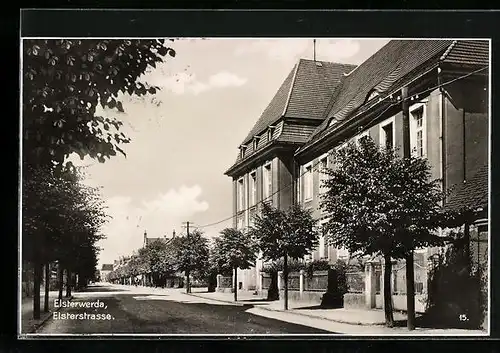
{"points": [[254, 187]]}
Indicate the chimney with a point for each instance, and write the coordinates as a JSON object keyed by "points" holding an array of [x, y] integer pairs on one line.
{"points": [[173, 233]]}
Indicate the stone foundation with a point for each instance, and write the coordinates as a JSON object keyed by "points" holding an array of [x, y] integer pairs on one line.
{"points": [[355, 301]]}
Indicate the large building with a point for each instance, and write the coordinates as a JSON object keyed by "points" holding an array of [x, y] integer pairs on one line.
{"points": [[320, 106]]}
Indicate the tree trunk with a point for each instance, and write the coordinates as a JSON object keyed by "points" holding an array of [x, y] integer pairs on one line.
{"points": [[410, 292], [285, 280], [188, 286], [467, 246], [68, 283], [60, 275], [273, 290], [235, 283], [47, 287], [37, 282], [389, 318]]}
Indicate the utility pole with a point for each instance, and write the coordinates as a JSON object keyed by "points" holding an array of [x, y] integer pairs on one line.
{"points": [[188, 284], [410, 273]]}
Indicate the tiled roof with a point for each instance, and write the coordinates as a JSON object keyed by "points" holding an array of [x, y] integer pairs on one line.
{"points": [[468, 52], [392, 63], [304, 93], [296, 133], [472, 193], [151, 240], [378, 73], [107, 267]]}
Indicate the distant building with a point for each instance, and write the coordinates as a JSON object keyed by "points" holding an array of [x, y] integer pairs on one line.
{"points": [[105, 270], [148, 240]]}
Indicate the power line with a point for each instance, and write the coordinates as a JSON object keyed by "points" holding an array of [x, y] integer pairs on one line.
{"points": [[313, 168]]}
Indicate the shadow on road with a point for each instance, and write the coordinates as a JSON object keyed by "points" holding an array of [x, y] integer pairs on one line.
{"points": [[99, 288]]}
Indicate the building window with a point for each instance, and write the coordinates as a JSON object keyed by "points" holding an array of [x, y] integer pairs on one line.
{"points": [[270, 133], [321, 247], [418, 135], [387, 132], [267, 181], [308, 182], [342, 253], [241, 222], [242, 151], [241, 195], [323, 176], [256, 143], [253, 188], [363, 135]]}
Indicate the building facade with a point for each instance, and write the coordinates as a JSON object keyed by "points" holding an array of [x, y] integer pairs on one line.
{"points": [[447, 83], [104, 272], [265, 168]]}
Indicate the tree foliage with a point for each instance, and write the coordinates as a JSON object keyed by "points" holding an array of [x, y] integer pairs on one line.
{"points": [[236, 249], [284, 234], [64, 81], [278, 232], [380, 203], [64, 216], [193, 252]]}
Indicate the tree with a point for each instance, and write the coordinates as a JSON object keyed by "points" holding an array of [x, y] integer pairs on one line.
{"points": [[238, 250], [63, 83], [381, 204], [285, 234], [192, 254], [61, 223], [64, 80]]}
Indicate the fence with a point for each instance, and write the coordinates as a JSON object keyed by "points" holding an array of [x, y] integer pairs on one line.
{"points": [[226, 282], [317, 283], [266, 280], [355, 282], [294, 281], [399, 282]]}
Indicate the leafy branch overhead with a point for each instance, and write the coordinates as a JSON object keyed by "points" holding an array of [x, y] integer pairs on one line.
{"points": [[64, 81]]}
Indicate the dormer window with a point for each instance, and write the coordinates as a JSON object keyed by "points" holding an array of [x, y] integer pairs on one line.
{"points": [[332, 122], [256, 143], [242, 151], [270, 133], [372, 95]]}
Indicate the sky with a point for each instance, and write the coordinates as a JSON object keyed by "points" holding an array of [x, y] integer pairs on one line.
{"points": [[185, 137]]}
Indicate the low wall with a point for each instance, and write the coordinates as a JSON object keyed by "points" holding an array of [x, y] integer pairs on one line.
{"points": [[355, 300], [399, 302], [306, 297], [224, 290]]}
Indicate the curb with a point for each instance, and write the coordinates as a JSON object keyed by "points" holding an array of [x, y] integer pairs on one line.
{"points": [[218, 300], [290, 312], [51, 313]]}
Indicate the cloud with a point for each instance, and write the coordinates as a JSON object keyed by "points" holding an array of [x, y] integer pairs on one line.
{"points": [[158, 216], [182, 83], [292, 49], [226, 79], [337, 50], [277, 49]]}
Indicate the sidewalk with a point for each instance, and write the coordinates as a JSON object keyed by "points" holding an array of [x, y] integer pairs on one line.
{"points": [[30, 325], [350, 321]]}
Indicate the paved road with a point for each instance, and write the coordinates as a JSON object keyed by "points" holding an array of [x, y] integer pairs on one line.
{"points": [[146, 310]]}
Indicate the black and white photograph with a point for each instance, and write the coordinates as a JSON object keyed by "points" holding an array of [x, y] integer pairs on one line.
{"points": [[221, 186]]}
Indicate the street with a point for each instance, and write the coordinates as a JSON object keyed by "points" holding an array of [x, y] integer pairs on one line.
{"points": [[159, 311]]}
